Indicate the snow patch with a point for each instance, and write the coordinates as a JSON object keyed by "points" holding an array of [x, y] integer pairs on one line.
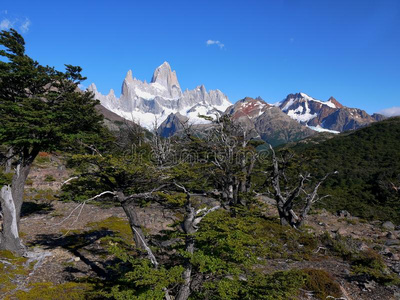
{"points": [[320, 129], [158, 86], [302, 115], [143, 94], [288, 104]]}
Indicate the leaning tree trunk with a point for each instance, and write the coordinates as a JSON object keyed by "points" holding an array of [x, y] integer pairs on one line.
{"points": [[11, 200], [140, 240], [134, 222]]}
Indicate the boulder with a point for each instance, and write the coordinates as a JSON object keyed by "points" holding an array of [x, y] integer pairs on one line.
{"points": [[388, 225]]}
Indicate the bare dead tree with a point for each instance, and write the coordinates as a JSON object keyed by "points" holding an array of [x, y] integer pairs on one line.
{"points": [[285, 198], [225, 145], [161, 147]]}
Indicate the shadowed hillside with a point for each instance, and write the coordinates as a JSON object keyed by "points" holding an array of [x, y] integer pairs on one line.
{"points": [[368, 161]]}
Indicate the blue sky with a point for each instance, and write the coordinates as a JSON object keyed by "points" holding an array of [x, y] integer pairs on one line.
{"points": [[346, 49]]}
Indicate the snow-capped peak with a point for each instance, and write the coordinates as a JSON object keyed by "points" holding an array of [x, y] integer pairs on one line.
{"points": [[304, 108], [305, 96], [145, 102]]}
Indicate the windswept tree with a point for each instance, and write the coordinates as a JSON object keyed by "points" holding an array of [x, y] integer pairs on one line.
{"points": [[229, 155], [288, 191], [127, 180], [41, 109], [134, 181]]}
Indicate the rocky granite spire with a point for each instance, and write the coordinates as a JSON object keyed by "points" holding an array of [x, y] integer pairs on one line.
{"points": [[144, 102], [164, 76]]}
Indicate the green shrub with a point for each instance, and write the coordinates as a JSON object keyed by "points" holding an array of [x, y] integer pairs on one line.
{"points": [[49, 291], [372, 264], [256, 285], [321, 283]]}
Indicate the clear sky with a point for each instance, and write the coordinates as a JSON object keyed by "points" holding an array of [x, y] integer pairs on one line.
{"points": [[268, 48]]}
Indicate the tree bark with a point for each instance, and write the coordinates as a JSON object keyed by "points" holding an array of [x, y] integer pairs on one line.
{"points": [[9, 237], [130, 211], [11, 199], [134, 222], [189, 229]]}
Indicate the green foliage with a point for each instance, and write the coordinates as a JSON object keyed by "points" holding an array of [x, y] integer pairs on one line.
{"points": [[370, 263], [229, 248], [41, 108], [321, 283], [174, 199], [10, 268], [195, 176], [243, 239], [343, 246], [255, 285], [140, 280], [5, 178], [367, 159], [50, 291], [109, 173]]}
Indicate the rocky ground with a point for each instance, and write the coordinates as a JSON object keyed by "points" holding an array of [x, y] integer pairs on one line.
{"points": [[64, 249]]}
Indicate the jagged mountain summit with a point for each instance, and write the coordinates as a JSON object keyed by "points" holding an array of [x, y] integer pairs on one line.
{"points": [[296, 117], [147, 103], [325, 115], [267, 122]]}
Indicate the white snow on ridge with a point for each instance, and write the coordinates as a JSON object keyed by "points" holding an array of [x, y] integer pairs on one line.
{"points": [[328, 103], [143, 94], [288, 104], [300, 115], [320, 129], [225, 104], [305, 96], [158, 86]]}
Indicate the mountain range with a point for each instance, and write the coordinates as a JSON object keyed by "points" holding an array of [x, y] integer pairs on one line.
{"points": [[162, 105], [151, 103]]}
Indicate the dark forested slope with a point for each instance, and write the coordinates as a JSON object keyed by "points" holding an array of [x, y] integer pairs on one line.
{"points": [[368, 161]]}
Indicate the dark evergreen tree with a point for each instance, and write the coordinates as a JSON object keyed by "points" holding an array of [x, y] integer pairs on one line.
{"points": [[41, 109]]}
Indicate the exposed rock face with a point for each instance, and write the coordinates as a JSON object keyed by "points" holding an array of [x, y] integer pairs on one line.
{"points": [[267, 122], [325, 115], [145, 102], [172, 124], [378, 117], [167, 79], [347, 119]]}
